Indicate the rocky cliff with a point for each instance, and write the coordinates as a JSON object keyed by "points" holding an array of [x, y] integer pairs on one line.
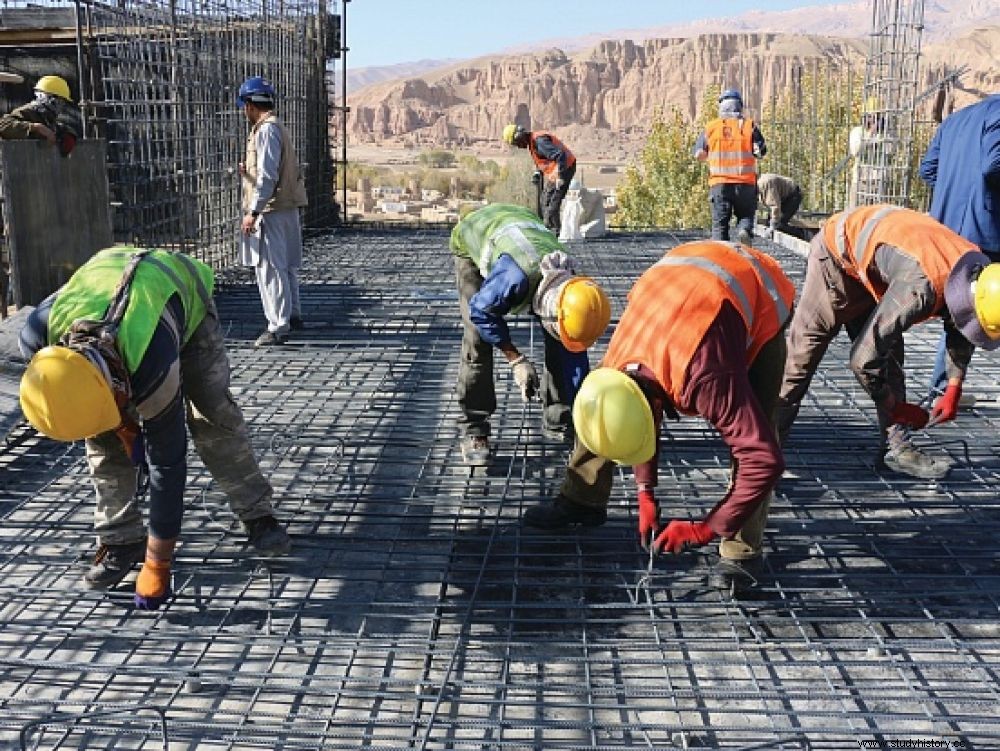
{"points": [[608, 94]]}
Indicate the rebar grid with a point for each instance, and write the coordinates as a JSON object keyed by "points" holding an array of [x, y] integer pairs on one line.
{"points": [[416, 613]]}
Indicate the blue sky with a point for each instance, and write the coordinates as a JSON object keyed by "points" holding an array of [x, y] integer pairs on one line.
{"points": [[383, 32]]}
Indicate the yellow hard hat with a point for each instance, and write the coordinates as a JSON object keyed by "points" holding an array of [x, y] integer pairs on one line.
{"points": [[584, 312], [987, 296], [972, 294], [508, 133], [613, 419], [54, 85], [66, 397]]}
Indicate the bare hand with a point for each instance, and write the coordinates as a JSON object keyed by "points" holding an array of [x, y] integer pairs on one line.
{"points": [[249, 224], [43, 131], [243, 169]]}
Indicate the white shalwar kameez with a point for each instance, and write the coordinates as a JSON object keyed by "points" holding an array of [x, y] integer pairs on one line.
{"points": [[275, 249]]}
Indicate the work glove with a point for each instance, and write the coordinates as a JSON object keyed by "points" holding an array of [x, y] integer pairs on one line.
{"points": [[679, 535], [152, 586], [947, 406], [526, 377], [536, 177], [910, 415], [649, 518]]}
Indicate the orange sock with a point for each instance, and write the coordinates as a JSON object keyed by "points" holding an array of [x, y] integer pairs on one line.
{"points": [[154, 579]]}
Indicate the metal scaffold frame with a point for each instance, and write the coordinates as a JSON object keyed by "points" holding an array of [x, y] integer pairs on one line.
{"points": [[415, 611]]}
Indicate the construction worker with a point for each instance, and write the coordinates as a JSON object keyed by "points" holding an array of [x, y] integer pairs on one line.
{"points": [[273, 193], [703, 334], [51, 117], [556, 163], [506, 261], [870, 151], [878, 270], [782, 196], [962, 166], [127, 347], [731, 144]]}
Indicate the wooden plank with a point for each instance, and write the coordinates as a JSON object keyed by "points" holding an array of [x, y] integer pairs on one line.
{"points": [[56, 211]]}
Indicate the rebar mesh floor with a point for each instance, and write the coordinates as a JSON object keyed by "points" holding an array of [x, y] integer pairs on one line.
{"points": [[416, 613]]}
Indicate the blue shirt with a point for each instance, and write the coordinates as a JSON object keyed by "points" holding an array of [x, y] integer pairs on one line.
{"points": [[505, 288], [962, 165]]}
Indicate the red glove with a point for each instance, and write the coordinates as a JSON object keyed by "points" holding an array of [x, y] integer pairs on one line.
{"points": [[649, 517], [910, 415], [679, 535], [947, 406]]}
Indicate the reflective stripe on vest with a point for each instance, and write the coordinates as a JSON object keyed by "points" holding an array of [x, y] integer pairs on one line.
{"points": [[714, 268], [770, 285], [524, 246], [840, 235], [730, 155]]}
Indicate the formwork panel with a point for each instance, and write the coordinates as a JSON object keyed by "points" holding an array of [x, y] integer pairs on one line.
{"points": [[416, 612]]}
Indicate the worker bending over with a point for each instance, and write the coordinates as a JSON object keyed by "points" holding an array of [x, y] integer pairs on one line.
{"points": [[506, 261], [703, 334], [878, 271], [120, 355]]}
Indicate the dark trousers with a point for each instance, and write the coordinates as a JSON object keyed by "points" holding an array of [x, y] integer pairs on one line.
{"points": [[731, 199], [788, 208], [552, 198], [476, 391], [588, 476]]}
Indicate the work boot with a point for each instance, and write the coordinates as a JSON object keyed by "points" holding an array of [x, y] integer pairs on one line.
{"points": [[270, 339], [737, 578], [907, 459], [267, 536], [113, 563], [476, 450], [295, 323], [745, 238], [562, 513]]}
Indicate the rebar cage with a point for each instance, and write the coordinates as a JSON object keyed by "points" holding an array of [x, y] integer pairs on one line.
{"points": [[159, 80]]}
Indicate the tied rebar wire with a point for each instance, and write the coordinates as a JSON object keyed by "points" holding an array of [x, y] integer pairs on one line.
{"points": [[415, 612]]}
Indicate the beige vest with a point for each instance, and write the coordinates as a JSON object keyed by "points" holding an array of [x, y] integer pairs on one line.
{"points": [[290, 192]]}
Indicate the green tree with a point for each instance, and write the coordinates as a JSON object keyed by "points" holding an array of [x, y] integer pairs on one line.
{"points": [[513, 184], [438, 158], [667, 186]]}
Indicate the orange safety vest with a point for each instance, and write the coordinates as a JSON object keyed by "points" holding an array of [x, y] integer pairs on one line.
{"points": [[675, 301], [852, 237], [549, 167], [730, 151]]}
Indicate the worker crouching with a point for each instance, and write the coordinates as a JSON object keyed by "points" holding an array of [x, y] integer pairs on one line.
{"points": [[507, 262], [878, 271], [703, 334], [123, 355]]}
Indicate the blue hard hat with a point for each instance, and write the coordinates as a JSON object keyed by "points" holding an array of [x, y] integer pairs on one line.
{"points": [[730, 94], [257, 90]]}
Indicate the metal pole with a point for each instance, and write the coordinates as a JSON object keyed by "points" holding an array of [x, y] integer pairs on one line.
{"points": [[343, 104]]}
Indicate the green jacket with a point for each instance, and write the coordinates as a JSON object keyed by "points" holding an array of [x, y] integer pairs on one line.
{"points": [[158, 277], [503, 229]]}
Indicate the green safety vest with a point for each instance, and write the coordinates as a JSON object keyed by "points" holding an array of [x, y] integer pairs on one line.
{"points": [[158, 277], [502, 229]]}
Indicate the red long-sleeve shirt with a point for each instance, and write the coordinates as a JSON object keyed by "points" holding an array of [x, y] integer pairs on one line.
{"points": [[718, 389]]}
